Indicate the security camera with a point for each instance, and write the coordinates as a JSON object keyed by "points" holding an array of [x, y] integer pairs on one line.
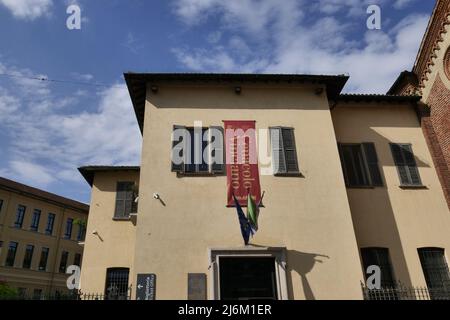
{"points": [[156, 196]]}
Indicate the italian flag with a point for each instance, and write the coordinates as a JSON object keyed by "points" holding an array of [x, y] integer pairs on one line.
{"points": [[253, 212]]}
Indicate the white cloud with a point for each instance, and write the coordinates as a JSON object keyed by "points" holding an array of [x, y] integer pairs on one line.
{"points": [[400, 4], [133, 44], [82, 76], [31, 173], [47, 141], [28, 9], [283, 39]]}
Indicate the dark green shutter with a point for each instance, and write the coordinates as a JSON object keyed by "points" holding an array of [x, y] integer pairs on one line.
{"points": [[411, 164], [372, 164], [218, 168], [290, 151], [124, 199], [177, 149], [278, 160], [397, 154], [406, 164], [341, 156]]}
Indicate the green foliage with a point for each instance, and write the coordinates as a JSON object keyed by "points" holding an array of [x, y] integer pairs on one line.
{"points": [[7, 292], [80, 222]]}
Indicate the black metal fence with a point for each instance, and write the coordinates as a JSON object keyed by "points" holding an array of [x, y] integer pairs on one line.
{"points": [[402, 292], [73, 295]]}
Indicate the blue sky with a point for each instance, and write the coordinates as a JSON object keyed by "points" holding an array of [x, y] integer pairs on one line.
{"points": [[48, 129]]}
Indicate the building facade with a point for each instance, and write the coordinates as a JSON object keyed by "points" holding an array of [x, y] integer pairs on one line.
{"points": [[430, 78], [359, 188], [352, 181], [39, 238]]}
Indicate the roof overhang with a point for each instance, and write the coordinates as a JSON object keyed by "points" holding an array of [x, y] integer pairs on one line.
{"points": [[378, 98], [404, 78], [28, 191], [137, 83], [88, 172]]}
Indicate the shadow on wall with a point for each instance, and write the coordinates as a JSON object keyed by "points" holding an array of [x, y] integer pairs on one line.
{"points": [[302, 263]]}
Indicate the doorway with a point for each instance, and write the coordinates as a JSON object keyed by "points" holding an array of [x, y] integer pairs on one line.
{"points": [[246, 278]]}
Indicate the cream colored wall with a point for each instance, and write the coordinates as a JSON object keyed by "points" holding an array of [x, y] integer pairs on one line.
{"points": [[115, 244], [438, 65], [401, 220], [308, 215], [32, 278]]}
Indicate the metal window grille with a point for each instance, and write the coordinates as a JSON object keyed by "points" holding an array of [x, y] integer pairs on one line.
{"points": [[116, 287], [435, 269], [402, 292]]}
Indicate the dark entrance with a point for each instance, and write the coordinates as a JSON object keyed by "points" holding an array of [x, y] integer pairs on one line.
{"points": [[247, 278]]}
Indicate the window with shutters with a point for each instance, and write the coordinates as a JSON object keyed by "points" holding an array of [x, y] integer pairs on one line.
{"points": [[435, 269], [406, 164], [125, 199], [189, 147], [379, 257], [284, 152], [360, 165]]}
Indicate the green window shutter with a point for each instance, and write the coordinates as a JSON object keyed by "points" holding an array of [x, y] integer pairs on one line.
{"points": [[406, 164], [124, 199], [217, 132], [411, 164], [120, 201], [402, 169], [290, 152], [278, 159], [178, 147], [344, 170], [372, 164]]}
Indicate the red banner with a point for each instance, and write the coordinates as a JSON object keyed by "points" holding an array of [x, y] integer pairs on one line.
{"points": [[241, 162]]}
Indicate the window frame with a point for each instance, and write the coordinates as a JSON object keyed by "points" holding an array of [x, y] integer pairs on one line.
{"points": [[20, 216], [405, 165], [68, 229], [124, 215], [390, 269], [213, 169], [282, 149], [34, 226], [28, 256], [43, 266], [81, 234], [428, 277], [8, 262], [64, 258], [77, 256], [108, 282], [365, 166], [50, 226]]}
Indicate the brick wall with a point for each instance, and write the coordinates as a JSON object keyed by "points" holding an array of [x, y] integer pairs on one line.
{"points": [[436, 128]]}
